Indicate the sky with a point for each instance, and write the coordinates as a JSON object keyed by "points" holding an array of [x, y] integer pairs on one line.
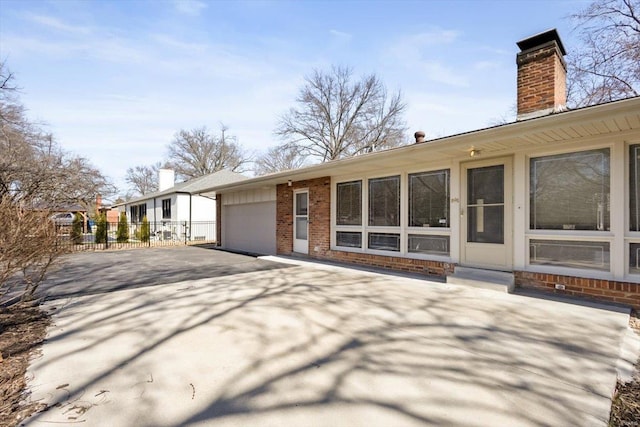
{"points": [[115, 80]]}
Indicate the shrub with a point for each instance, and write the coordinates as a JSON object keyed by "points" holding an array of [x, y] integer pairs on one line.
{"points": [[101, 228], [122, 234], [145, 230], [76, 229]]}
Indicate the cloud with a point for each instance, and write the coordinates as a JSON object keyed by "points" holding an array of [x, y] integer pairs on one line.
{"points": [[486, 65], [340, 35], [440, 73], [189, 7], [56, 24]]}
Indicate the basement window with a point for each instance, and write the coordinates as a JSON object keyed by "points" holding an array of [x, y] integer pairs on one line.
{"points": [[572, 254]]}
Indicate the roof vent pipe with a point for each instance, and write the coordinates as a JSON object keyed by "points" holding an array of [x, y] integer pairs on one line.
{"points": [[419, 137]]}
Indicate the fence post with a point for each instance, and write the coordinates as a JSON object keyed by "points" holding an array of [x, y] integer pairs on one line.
{"points": [[184, 227], [106, 238]]}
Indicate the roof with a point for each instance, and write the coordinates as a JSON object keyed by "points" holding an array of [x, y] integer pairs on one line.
{"points": [[193, 186], [598, 121]]}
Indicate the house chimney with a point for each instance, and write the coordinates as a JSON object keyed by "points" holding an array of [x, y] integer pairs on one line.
{"points": [[419, 137], [542, 75], [166, 179]]}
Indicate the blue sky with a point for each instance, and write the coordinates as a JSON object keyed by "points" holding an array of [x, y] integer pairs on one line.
{"points": [[114, 80]]}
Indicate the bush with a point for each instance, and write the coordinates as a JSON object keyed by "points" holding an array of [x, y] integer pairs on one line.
{"points": [[145, 230], [76, 229], [122, 234], [101, 228]]}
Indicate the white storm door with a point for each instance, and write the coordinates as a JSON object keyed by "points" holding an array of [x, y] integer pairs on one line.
{"points": [[486, 214], [301, 222]]}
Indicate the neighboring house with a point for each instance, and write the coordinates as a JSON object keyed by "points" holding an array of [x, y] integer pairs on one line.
{"points": [[553, 199], [178, 211]]}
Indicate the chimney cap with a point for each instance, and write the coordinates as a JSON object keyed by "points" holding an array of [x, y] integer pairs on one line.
{"points": [[540, 39]]}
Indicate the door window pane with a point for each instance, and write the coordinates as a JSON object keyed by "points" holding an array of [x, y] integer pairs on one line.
{"points": [[429, 199], [384, 201], [431, 245], [570, 191], [301, 228], [384, 241], [349, 239], [301, 203], [634, 187], [590, 255], [349, 209], [485, 185], [485, 224]]}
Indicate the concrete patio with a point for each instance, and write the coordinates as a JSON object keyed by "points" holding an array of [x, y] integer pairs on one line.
{"points": [[279, 344]]}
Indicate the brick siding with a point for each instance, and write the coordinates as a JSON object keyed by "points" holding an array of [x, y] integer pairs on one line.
{"points": [[602, 290]]}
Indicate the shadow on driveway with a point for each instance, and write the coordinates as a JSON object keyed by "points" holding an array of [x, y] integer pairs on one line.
{"points": [[93, 273]]}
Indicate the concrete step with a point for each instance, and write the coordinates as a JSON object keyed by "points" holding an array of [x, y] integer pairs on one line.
{"points": [[486, 279]]}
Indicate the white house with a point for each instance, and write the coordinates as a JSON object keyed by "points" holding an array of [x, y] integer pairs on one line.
{"points": [[178, 211], [550, 201]]}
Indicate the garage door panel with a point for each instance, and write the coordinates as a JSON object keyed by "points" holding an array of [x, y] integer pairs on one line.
{"points": [[250, 227]]}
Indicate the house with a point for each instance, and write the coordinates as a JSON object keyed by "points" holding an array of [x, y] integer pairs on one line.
{"points": [[550, 201], [178, 211]]}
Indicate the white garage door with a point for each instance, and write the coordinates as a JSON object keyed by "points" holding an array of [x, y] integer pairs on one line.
{"points": [[250, 227]]}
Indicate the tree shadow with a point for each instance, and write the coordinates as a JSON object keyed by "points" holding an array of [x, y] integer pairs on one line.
{"points": [[285, 345]]}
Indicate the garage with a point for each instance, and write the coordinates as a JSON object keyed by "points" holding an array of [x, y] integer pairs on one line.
{"points": [[249, 221]]}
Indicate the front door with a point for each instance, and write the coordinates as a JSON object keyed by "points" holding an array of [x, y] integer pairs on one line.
{"points": [[486, 214], [301, 222]]}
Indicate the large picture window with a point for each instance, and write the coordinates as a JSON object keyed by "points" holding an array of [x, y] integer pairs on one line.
{"points": [[349, 203], [570, 191], [634, 187], [429, 199], [384, 201]]}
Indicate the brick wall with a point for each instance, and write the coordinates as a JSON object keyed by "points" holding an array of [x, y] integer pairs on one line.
{"points": [[541, 79], [319, 216], [602, 290]]}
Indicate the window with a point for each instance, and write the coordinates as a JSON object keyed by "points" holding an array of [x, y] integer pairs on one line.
{"points": [[570, 191], [634, 258], [349, 239], [384, 201], [166, 209], [430, 245], [585, 255], [429, 199], [634, 188], [138, 212], [384, 241], [349, 209]]}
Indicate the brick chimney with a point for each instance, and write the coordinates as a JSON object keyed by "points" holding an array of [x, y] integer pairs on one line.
{"points": [[542, 75]]}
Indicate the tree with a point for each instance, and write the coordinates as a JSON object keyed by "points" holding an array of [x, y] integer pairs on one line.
{"points": [[607, 67], [101, 228], [278, 159], [76, 229], [143, 179], [145, 230], [337, 116], [36, 176], [197, 152], [122, 233]]}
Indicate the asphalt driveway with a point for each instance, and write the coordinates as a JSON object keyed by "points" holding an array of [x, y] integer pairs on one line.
{"points": [[199, 337]]}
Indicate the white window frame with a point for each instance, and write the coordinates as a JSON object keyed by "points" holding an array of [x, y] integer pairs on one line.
{"points": [[629, 236]]}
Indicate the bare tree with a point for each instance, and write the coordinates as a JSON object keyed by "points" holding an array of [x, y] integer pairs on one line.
{"points": [[198, 152], [36, 177], [280, 158], [143, 179], [337, 116], [607, 67]]}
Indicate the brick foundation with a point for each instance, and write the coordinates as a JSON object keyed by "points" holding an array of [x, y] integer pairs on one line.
{"points": [[602, 290], [431, 268]]}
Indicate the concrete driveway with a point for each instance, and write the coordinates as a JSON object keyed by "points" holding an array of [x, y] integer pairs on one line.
{"points": [[311, 345]]}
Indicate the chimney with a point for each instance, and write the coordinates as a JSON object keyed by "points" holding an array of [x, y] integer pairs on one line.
{"points": [[166, 179], [419, 137], [542, 75], [98, 202]]}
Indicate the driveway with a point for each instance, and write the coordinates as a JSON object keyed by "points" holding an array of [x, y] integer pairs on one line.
{"points": [[200, 337]]}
